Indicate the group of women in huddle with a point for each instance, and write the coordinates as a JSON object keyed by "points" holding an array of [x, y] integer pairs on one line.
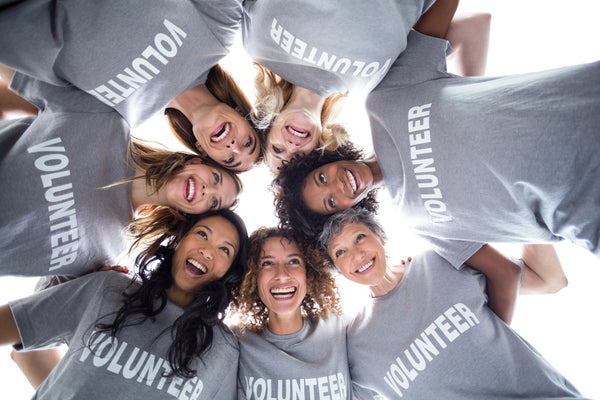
{"points": [[467, 160]]}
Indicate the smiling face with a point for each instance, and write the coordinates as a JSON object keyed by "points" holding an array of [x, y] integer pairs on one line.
{"points": [[294, 131], [359, 254], [282, 279], [337, 186], [202, 256], [228, 138], [198, 188]]}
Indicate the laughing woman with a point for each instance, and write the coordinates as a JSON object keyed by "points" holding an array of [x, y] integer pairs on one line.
{"points": [[429, 331], [152, 338], [289, 339]]}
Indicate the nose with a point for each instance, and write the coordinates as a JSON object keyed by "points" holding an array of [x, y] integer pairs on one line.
{"points": [[282, 271], [231, 144], [206, 253]]}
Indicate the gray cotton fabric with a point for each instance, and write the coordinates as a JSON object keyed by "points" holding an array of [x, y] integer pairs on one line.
{"points": [[489, 159], [328, 47], [434, 337], [130, 366], [56, 219], [309, 364], [132, 55]]}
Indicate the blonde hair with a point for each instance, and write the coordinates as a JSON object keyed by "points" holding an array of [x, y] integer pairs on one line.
{"points": [[272, 94], [321, 296]]}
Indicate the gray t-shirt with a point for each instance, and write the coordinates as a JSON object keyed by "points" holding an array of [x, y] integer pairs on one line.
{"points": [[434, 337], [309, 364], [133, 364], [489, 159], [133, 55], [329, 46], [55, 218]]}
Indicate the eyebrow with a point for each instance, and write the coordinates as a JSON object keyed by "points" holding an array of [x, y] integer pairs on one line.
{"points": [[253, 147]]}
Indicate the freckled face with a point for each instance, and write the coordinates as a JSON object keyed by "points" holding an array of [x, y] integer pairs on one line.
{"points": [[337, 186], [282, 277], [198, 188], [359, 255], [228, 138], [294, 131], [203, 255]]}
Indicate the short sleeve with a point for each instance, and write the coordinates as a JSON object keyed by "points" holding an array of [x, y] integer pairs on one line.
{"points": [[456, 252]]}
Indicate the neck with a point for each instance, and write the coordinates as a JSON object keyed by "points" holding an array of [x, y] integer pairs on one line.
{"points": [[392, 277], [193, 103], [375, 170], [305, 99], [143, 194], [285, 324]]}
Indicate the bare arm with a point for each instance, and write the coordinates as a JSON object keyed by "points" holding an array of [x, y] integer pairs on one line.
{"points": [[543, 270], [469, 35], [436, 20], [503, 277], [10, 102], [9, 334]]}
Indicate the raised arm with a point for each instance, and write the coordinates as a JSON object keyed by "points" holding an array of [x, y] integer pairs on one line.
{"points": [[469, 36], [436, 20], [9, 334], [543, 270], [503, 278]]}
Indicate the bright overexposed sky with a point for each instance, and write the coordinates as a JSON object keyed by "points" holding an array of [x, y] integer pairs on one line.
{"points": [[526, 35]]}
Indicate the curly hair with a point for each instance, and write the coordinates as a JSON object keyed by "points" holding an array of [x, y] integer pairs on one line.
{"points": [[321, 297], [192, 332], [222, 85], [287, 188], [272, 94]]}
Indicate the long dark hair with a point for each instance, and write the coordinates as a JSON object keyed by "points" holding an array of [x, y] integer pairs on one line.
{"points": [[192, 332]]}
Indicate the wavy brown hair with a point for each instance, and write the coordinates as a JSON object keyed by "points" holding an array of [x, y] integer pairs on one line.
{"points": [[222, 85], [272, 94], [321, 297]]}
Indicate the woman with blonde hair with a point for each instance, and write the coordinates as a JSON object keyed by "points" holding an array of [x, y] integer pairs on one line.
{"points": [[291, 333]]}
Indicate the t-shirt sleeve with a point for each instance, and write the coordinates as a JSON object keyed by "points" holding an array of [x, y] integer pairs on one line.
{"points": [[456, 252], [31, 38], [50, 317]]}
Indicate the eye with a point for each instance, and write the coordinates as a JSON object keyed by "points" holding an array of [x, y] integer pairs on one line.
{"points": [[331, 202], [225, 250], [248, 142], [295, 261], [266, 264], [228, 160], [216, 178], [214, 204], [322, 178], [203, 234], [277, 150], [338, 253], [360, 236]]}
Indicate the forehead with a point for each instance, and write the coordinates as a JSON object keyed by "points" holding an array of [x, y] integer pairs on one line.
{"points": [[313, 193], [278, 244], [348, 232], [221, 228]]}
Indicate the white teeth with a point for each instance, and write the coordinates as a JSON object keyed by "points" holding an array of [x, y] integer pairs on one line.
{"points": [[352, 180], [198, 265], [282, 293], [222, 133], [366, 266], [295, 132], [191, 189]]}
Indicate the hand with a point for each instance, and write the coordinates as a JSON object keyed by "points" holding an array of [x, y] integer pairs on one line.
{"points": [[118, 268]]}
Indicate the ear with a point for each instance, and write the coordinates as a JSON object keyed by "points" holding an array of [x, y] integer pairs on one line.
{"points": [[195, 160], [201, 150], [239, 110]]}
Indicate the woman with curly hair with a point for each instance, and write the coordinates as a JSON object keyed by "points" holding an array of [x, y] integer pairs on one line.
{"points": [[157, 336], [307, 215], [289, 341]]}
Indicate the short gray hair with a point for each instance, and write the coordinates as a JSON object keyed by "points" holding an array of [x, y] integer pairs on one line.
{"points": [[334, 225]]}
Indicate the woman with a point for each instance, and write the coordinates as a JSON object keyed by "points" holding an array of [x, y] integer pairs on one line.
{"points": [[163, 59], [450, 326], [161, 336], [423, 118], [289, 341]]}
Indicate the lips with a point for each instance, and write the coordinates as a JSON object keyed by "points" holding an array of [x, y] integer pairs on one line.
{"points": [[367, 266], [351, 179], [283, 292], [190, 189], [297, 132], [221, 133], [195, 268]]}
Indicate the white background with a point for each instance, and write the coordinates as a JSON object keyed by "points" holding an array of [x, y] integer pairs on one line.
{"points": [[527, 35]]}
